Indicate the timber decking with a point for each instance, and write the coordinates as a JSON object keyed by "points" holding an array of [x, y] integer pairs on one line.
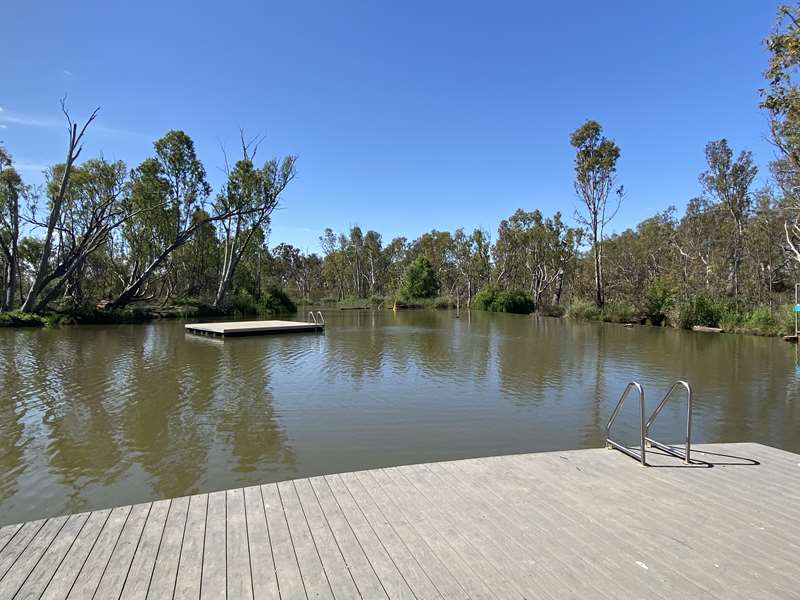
{"points": [[234, 328], [573, 524]]}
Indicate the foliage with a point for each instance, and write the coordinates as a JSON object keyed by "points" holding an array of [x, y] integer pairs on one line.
{"points": [[17, 318], [272, 302], [484, 299], [493, 299], [761, 320], [699, 309], [596, 159], [551, 310], [617, 312], [419, 280], [658, 300], [583, 310], [275, 302]]}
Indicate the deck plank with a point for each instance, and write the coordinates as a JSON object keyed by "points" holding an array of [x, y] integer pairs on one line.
{"points": [[290, 581], [17, 545], [65, 576], [190, 564], [29, 558], [48, 564], [339, 577], [7, 533], [144, 561], [239, 582], [392, 579], [364, 576], [438, 571], [214, 578], [264, 578], [311, 569], [572, 524], [162, 582], [413, 573], [91, 572], [116, 571]]}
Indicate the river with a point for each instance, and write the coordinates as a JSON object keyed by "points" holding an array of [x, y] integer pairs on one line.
{"points": [[98, 416]]}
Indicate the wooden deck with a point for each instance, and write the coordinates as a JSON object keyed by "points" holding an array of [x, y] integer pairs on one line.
{"points": [[234, 328], [577, 524]]}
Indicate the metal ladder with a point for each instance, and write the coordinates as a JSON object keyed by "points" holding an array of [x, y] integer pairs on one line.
{"points": [[314, 317], [645, 426]]}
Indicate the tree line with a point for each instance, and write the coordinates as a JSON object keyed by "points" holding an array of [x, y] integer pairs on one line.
{"points": [[113, 236]]}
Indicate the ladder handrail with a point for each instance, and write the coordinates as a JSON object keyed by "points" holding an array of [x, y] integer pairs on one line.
{"points": [[321, 318], [622, 448], [688, 446], [313, 317]]}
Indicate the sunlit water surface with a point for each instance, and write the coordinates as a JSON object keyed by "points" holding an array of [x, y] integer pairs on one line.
{"points": [[98, 416]]}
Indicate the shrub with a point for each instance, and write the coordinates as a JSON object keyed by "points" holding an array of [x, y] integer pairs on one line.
{"points": [[444, 302], [485, 297], [761, 321], [658, 301], [513, 301], [786, 319], [617, 312], [699, 310], [419, 280], [510, 301], [580, 309], [17, 318], [275, 302], [551, 310]]}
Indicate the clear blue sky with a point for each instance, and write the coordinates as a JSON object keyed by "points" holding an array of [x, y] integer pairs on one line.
{"points": [[406, 116]]}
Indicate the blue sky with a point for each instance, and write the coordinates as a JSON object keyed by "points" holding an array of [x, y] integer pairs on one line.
{"points": [[406, 116]]}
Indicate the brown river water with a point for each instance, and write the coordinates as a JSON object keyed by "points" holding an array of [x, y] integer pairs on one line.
{"points": [[98, 416]]}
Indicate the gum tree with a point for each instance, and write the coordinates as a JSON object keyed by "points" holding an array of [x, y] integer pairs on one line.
{"points": [[596, 159]]}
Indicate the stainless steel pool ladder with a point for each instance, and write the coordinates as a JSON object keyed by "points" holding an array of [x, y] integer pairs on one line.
{"points": [[686, 454], [633, 453], [314, 317], [644, 426]]}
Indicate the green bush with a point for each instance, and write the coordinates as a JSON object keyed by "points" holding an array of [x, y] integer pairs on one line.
{"points": [[513, 301], [419, 280], [700, 310], [658, 301], [587, 311], [551, 310], [275, 302], [617, 312], [17, 318], [444, 302], [761, 321], [485, 297], [510, 301], [786, 319], [272, 302]]}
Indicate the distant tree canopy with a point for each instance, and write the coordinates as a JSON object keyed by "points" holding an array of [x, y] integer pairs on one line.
{"points": [[419, 280]]}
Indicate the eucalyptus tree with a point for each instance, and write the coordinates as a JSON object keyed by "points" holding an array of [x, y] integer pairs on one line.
{"points": [[245, 206], [535, 254], [596, 159], [171, 187], [781, 99], [727, 181], [44, 272], [92, 208], [12, 190]]}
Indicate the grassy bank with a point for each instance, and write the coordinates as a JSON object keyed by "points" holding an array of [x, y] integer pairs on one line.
{"points": [[698, 311], [241, 304]]}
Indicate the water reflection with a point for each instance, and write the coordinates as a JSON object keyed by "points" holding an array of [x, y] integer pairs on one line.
{"points": [[100, 416]]}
